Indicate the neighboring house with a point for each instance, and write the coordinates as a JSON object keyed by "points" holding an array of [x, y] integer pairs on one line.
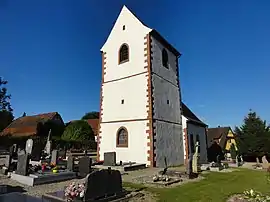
{"points": [[224, 137], [193, 130], [93, 123], [39, 125], [140, 109]]}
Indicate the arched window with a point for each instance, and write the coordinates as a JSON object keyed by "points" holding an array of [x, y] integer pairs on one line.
{"points": [[122, 137], [165, 60], [123, 54]]}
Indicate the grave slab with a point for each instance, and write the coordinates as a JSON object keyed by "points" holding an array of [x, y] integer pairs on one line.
{"points": [[18, 197], [124, 168], [37, 179]]}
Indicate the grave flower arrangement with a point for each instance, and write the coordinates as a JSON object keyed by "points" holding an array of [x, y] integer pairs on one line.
{"points": [[255, 196], [75, 191]]}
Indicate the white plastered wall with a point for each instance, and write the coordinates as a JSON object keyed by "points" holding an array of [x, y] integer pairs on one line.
{"points": [[128, 82]]}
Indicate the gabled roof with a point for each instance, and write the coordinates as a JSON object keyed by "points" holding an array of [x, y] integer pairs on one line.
{"points": [[125, 12], [218, 133], [27, 125], [190, 115]]}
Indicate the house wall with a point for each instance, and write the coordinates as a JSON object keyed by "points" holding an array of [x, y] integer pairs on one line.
{"points": [[167, 116], [199, 130], [135, 101], [230, 141], [194, 129], [137, 141], [184, 135], [129, 82]]}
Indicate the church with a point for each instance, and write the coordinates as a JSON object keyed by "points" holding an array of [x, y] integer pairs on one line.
{"points": [[140, 100]]}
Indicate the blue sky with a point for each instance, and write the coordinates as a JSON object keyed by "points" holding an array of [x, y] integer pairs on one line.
{"points": [[49, 53]]}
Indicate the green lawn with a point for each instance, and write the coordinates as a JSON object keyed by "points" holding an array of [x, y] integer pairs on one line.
{"points": [[216, 187]]}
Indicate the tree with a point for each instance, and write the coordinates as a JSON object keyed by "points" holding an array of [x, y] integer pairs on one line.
{"points": [[253, 137], [6, 116], [91, 115], [4, 97], [233, 151], [78, 131]]}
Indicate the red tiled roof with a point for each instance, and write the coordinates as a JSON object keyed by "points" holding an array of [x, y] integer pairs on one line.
{"points": [[94, 125], [92, 122], [27, 126]]}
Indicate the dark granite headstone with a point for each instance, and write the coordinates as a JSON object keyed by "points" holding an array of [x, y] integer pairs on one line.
{"points": [[23, 164], [3, 189], [36, 150], [62, 154], [84, 166], [109, 159], [11, 150], [103, 183], [70, 163], [18, 197], [55, 155]]}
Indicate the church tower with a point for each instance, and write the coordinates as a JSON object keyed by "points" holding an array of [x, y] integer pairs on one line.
{"points": [[140, 110]]}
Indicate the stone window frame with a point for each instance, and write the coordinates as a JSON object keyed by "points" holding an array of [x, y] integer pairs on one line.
{"points": [[117, 137], [120, 52], [165, 58]]}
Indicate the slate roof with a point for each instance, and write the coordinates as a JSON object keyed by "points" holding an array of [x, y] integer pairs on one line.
{"points": [[190, 115], [218, 133], [27, 125]]}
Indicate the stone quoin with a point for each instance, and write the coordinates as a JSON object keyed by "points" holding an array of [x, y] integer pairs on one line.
{"points": [[140, 97]]}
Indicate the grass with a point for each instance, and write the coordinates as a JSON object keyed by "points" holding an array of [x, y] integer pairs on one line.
{"points": [[216, 187]]}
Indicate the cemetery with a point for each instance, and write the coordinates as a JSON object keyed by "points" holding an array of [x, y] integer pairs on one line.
{"points": [[38, 164]]}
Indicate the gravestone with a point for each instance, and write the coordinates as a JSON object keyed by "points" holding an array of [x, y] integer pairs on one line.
{"points": [[5, 160], [109, 159], [48, 146], [11, 150], [257, 160], [54, 158], [36, 150], [23, 164], [84, 166], [70, 163], [62, 153], [15, 146], [237, 160], [195, 160], [103, 183], [21, 152], [265, 163], [29, 146]]}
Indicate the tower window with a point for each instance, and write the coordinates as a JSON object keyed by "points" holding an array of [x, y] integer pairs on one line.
{"points": [[124, 27], [165, 60], [122, 101], [122, 137], [123, 54]]}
